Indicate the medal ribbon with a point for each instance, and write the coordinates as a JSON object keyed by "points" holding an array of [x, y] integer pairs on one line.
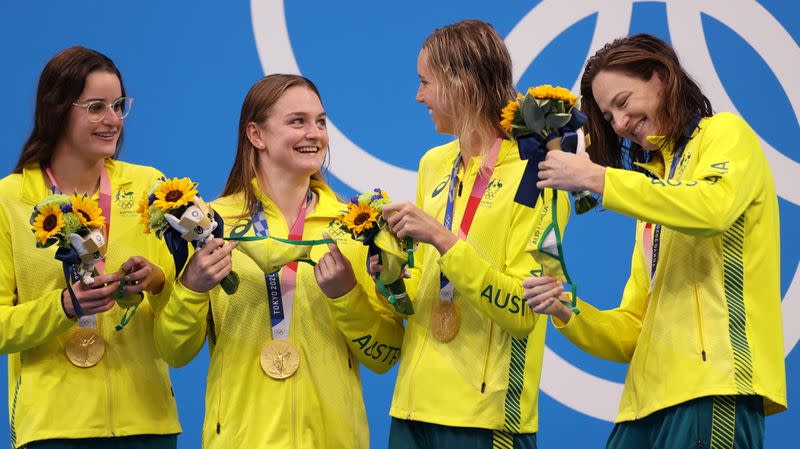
{"points": [[105, 207], [478, 189], [281, 285], [655, 244]]}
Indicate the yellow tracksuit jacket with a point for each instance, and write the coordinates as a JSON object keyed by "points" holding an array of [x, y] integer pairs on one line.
{"points": [[321, 405], [488, 375], [128, 392], [709, 320]]}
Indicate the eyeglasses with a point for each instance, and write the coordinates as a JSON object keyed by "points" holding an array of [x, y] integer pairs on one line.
{"points": [[97, 109]]}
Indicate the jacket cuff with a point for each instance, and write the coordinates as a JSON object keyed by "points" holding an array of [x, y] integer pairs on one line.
{"points": [[567, 327], [349, 301], [184, 293], [621, 188], [160, 299], [57, 308], [452, 262]]}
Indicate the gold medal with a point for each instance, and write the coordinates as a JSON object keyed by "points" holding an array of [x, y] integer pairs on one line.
{"points": [[85, 347], [280, 359], [445, 321]]}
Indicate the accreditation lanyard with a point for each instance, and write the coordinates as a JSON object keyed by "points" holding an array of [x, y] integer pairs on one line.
{"points": [[652, 233], [481, 183], [104, 201], [280, 288]]}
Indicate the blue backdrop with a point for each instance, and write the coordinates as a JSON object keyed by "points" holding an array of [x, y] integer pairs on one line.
{"points": [[189, 65]]}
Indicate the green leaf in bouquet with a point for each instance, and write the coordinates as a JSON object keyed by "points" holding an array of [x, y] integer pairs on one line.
{"points": [[519, 131], [230, 283], [533, 115], [50, 242], [555, 121], [519, 120], [544, 104]]}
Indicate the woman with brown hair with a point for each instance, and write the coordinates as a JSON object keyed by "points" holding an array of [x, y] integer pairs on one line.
{"points": [[700, 318], [74, 381], [472, 354], [285, 348]]}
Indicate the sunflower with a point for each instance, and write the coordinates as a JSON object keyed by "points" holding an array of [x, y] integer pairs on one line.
{"points": [[359, 217], [174, 193], [143, 209], [556, 93], [509, 113], [48, 223], [87, 211]]}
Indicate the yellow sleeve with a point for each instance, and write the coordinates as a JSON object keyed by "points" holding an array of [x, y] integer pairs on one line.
{"points": [[730, 169], [180, 327], [374, 332], [27, 325], [498, 293], [612, 334]]}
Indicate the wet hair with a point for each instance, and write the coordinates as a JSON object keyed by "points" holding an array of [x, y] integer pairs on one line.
{"points": [[641, 56], [471, 63]]}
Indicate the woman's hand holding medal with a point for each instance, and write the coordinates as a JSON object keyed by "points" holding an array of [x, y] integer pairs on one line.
{"points": [[95, 298]]}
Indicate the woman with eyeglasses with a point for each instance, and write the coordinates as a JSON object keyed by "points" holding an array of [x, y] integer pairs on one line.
{"points": [[74, 381], [700, 319], [287, 347]]}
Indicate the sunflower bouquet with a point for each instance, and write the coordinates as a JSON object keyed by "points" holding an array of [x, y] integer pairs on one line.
{"points": [[545, 119], [363, 222], [77, 226], [173, 210]]}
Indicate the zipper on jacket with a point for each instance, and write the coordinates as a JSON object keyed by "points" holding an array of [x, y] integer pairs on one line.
{"points": [[699, 323], [486, 358], [633, 387], [109, 391], [412, 371], [219, 400], [635, 398]]}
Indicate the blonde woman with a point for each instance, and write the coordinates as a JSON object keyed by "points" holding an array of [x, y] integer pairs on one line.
{"points": [[472, 354]]}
